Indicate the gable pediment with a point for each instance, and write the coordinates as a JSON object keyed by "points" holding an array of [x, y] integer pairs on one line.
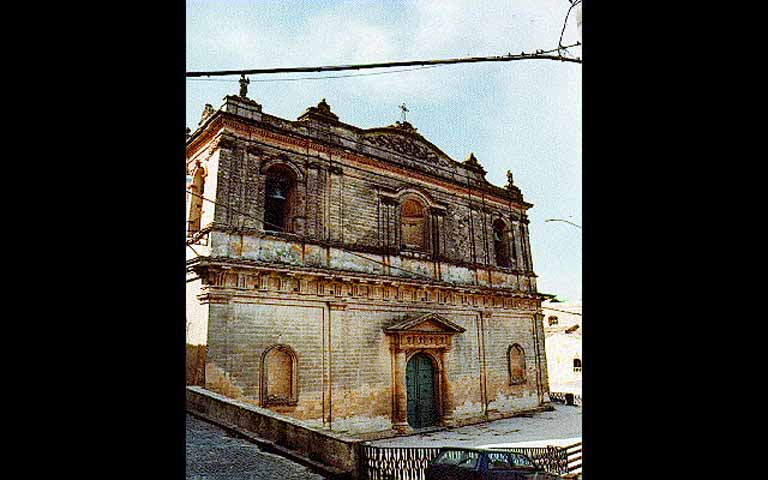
{"points": [[402, 138], [427, 322]]}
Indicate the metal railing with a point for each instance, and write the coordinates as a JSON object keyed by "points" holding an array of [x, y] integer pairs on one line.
{"points": [[573, 455], [566, 398], [410, 463], [552, 459]]}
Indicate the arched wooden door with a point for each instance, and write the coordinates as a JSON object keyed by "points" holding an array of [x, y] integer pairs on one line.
{"points": [[420, 382]]}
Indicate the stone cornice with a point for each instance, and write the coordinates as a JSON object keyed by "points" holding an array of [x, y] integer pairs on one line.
{"points": [[340, 294], [203, 263], [337, 306], [249, 129]]}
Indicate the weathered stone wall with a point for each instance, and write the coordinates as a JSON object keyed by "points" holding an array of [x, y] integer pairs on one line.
{"points": [[330, 449], [344, 363], [500, 332], [195, 360], [344, 203], [241, 333]]}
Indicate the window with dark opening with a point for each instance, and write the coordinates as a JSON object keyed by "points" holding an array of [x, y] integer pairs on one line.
{"points": [[552, 320], [280, 199], [576, 365], [501, 243]]}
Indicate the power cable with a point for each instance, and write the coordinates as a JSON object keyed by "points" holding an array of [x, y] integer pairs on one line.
{"points": [[315, 78], [538, 55], [561, 311]]}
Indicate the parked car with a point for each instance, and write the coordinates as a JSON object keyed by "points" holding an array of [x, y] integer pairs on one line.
{"points": [[456, 463]]}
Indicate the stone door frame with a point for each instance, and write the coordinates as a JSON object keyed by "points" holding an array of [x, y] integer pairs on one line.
{"points": [[436, 357], [430, 334]]}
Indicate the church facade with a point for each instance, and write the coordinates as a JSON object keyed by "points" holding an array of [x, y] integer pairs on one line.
{"points": [[358, 279]]}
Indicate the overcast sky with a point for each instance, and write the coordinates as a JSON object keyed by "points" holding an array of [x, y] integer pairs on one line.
{"points": [[523, 116]]}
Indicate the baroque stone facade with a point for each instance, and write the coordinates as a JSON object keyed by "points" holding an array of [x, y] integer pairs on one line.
{"points": [[357, 278]]}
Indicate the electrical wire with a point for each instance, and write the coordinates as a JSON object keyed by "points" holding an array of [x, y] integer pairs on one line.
{"points": [[537, 55], [314, 78]]}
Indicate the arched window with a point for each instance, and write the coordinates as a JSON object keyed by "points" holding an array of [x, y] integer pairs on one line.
{"points": [[516, 364], [413, 225], [278, 376], [195, 202], [577, 365], [279, 199], [501, 243]]}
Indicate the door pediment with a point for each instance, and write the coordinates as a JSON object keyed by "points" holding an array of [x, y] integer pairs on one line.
{"points": [[426, 322], [428, 330]]}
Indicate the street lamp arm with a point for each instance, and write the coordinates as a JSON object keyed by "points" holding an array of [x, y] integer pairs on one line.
{"points": [[561, 220]]}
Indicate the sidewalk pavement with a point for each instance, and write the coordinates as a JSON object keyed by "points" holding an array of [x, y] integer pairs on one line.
{"points": [[560, 427]]}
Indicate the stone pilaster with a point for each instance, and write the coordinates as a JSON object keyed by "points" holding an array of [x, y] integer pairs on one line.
{"points": [[445, 384], [400, 414]]}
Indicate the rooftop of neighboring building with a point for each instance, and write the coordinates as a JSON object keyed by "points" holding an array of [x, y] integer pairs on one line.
{"points": [[562, 317]]}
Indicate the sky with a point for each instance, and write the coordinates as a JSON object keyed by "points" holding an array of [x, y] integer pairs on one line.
{"points": [[523, 116]]}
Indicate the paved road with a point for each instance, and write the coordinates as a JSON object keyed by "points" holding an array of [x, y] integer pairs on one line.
{"points": [[562, 427], [214, 454]]}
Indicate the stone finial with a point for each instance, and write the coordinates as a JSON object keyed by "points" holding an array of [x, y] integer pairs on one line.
{"points": [[471, 160], [244, 85], [510, 180], [405, 127], [472, 163], [323, 106], [207, 112], [321, 112]]}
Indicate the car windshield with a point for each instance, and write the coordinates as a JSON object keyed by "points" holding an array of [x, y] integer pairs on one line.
{"points": [[460, 458], [504, 460]]}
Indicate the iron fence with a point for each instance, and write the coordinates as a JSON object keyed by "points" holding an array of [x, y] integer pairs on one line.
{"points": [[573, 453], [562, 397], [395, 463], [410, 463]]}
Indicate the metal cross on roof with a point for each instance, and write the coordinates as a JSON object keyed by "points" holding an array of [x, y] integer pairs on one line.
{"points": [[404, 109]]}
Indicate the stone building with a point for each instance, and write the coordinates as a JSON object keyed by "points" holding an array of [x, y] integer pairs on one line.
{"points": [[358, 279]]}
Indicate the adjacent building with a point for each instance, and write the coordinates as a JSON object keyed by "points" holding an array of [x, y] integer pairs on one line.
{"points": [[358, 279], [562, 327]]}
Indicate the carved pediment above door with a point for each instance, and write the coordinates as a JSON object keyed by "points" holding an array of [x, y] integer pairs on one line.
{"points": [[428, 330]]}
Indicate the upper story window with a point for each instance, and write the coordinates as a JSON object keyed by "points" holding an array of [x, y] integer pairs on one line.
{"points": [[501, 243], [279, 199], [413, 225], [552, 320], [576, 365], [195, 202]]}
